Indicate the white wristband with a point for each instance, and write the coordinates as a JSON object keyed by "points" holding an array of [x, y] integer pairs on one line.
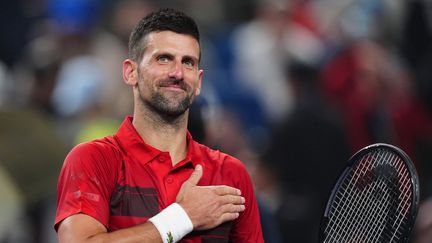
{"points": [[173, 223]]}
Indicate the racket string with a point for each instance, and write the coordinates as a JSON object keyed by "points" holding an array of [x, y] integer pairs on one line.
{"points": [[405, 195], [348, 196], [363, 222], [335, 227]]}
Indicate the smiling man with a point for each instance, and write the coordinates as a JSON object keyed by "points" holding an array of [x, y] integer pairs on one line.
{"points": [[151, 182]]}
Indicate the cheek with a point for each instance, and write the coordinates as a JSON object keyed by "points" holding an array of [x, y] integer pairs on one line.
{"points": [[148, 76], [145, 87], [193, 80]]}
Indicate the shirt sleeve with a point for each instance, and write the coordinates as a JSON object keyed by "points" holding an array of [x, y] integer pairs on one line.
{"points": [[246, 228], [85, 183]]}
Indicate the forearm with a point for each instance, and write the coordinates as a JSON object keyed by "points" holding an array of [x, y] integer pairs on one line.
{"points": [[172, 224], [142, 233], [84, 229]]}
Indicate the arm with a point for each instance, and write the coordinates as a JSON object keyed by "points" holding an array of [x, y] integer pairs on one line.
{"points": [[207, 207], [84, 228]]}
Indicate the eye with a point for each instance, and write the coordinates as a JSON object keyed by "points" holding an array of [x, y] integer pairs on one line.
{"points": [[163, 58], [189, 62]]}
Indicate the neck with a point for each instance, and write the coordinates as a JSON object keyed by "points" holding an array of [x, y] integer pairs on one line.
{"points": [[167, 134]]}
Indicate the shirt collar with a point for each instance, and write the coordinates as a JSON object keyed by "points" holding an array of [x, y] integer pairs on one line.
{"points": [[192, 154], [132, 143]]}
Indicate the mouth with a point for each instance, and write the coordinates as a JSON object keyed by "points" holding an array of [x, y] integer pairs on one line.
{"points": [[174, 85]]}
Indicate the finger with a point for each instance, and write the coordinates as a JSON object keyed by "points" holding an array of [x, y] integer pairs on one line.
{"points": [[231, 208], [229, 217], [226, 190], [195, 176], [230, 199]]}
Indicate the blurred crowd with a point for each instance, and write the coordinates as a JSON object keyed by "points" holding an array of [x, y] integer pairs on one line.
{"points": [[291, 87]]}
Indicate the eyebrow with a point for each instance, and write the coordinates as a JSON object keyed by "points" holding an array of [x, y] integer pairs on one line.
{"points": [[165, 53], [158, 54], [195, 59]]}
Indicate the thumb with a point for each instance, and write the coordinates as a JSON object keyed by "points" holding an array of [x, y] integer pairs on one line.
{"points": [[195, 176]]}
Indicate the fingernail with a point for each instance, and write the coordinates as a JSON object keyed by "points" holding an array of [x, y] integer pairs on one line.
{"points": [[243, 199], [238, 192]]}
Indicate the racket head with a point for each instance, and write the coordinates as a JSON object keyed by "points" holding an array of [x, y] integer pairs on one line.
{"points": [[375, 199]]}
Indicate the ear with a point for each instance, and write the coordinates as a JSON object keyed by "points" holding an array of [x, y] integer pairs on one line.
{"points": [[130, 72], [200, 76]]}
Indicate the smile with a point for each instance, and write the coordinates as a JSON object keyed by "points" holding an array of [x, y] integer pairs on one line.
{"points": [[173, 87]]}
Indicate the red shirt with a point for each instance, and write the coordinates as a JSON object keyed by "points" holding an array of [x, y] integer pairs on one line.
{"points": [[121, 181]]}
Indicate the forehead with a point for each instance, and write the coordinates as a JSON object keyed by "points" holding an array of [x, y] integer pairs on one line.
{"points": [[175, 43]]}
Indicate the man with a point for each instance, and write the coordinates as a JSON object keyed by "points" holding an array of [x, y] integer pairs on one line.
{"points": [[151, 182]]}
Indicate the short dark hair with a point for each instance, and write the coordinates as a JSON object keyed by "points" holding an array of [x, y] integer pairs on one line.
{"points": [[164, 19]]}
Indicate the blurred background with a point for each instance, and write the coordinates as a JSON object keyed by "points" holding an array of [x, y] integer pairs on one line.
{"points": [[291, 87]]}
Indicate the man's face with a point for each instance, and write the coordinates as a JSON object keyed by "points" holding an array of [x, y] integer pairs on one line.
{"points": [[168, 74]]}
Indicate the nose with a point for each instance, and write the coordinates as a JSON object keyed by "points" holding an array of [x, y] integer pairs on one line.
{"points": [[176, 71]]}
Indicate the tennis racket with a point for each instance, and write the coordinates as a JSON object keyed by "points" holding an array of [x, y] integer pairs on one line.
{"points": [[374, 200]]}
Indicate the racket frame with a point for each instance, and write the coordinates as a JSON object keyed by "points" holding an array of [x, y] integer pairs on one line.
{"points": [[353, 161]]}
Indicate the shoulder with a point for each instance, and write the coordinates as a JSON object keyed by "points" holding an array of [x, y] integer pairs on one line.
{"points": [[105, 146], [100, 152]]}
